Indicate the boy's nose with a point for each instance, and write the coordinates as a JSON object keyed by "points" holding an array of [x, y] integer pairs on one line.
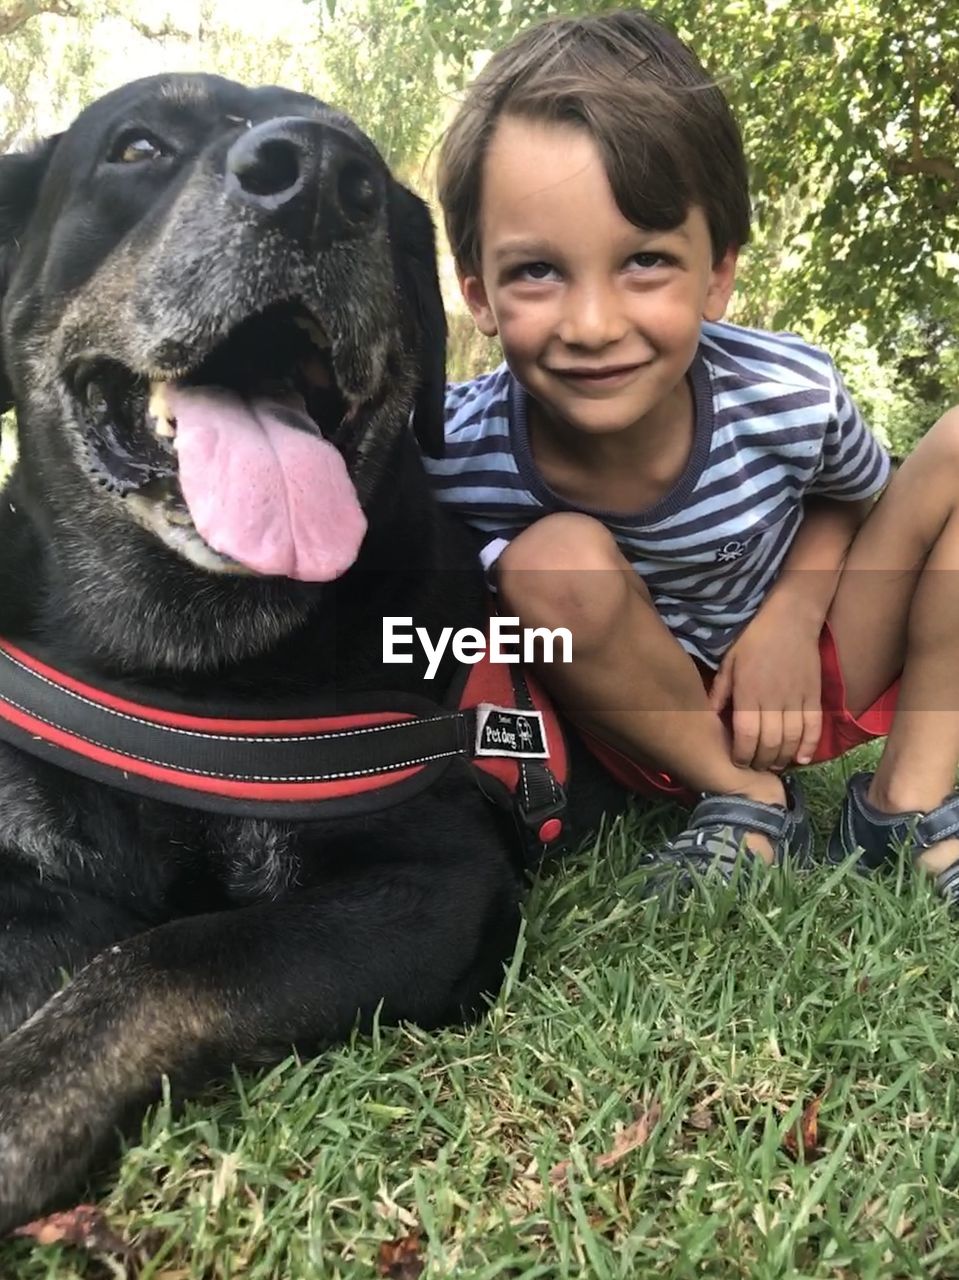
{"points": [[592, 318]]}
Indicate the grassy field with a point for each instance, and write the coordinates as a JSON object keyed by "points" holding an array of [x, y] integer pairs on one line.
{"points": [[701, 1040]]}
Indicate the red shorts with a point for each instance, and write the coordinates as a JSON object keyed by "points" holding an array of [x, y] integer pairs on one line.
{"points": [[841, 731]]}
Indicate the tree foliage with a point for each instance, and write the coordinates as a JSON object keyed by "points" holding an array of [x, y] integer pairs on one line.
{"points": [[27, 34], [52, 53], [850, 116], [849, 111], [381, 72], [14, 16], [56, 55]]}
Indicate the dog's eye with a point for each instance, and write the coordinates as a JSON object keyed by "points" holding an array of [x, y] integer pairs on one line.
{"points": [[134, 148]]}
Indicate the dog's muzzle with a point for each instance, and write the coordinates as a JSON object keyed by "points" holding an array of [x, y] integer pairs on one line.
{"points": [[233, 457]]}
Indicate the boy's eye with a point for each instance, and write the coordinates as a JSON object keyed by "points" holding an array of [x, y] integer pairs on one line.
{"points": [[648, 260], [534, 271]]}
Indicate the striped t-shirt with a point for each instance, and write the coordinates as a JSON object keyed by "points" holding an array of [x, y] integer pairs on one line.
{"points": [[773, 422]]}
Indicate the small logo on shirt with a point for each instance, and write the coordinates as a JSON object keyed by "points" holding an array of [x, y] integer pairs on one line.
{"points": [[730, 551]]}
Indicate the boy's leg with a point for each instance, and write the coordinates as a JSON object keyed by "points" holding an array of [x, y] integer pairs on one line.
{"points": [[630, 682], [897, 609]]}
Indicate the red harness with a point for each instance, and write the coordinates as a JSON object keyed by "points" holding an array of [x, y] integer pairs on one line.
{"points": [[348, 756]]}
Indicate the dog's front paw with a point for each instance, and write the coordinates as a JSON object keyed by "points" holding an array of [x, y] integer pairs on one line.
{"points": [[24, 1188], [46, 1134]]}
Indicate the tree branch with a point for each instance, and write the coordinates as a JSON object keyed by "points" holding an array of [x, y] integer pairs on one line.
{"points": [[926, 167], [13, 16], [167, 30], [915, 113]]}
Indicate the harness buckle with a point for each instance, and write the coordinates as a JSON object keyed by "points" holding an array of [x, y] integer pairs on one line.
{"points": [[542, 827]]}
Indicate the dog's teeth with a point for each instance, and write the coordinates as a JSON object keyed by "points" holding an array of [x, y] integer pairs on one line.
{"points": [[158, 407], [164, 421], [177, 516]]}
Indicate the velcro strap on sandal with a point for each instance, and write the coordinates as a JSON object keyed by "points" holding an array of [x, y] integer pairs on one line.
{"points": [[738, 811], [938, 824]]}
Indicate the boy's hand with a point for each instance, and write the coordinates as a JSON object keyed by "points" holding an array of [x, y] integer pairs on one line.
{"points": [[773, 677]]}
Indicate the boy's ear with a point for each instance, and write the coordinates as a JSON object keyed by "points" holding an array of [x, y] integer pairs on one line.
{"points": [[411, 233], [474, 295], [721, 284], [20, 177]]}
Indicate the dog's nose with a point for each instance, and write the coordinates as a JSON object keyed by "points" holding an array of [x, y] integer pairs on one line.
{"points": [[293, 168]]}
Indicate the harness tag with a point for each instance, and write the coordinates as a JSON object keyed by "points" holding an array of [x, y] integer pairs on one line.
{"points": [[504, 731]]}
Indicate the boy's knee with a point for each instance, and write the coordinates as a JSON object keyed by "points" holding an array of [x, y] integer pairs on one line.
{"points": [[565, 570], [940, 445], [566, 541]]}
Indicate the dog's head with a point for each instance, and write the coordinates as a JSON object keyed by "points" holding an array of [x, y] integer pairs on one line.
{"points": [[218, 312]]}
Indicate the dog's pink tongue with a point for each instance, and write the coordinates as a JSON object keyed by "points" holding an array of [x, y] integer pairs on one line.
{"points": [[273, 496]]}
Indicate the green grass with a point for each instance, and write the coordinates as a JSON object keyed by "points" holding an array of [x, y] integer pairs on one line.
{"points": [[733, 1016]]}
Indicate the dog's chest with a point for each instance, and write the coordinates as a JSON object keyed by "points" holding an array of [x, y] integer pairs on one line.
{"points": [[255, 859], [159, 859]]}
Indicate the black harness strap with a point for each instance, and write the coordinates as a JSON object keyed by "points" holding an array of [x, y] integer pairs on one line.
{"points": [[541, 800], [326, 756], [353, 757]]}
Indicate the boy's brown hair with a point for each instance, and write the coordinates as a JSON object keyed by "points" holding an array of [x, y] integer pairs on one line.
{"points": [[664, 129]]}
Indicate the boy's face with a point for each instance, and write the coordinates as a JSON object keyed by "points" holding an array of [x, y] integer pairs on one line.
{"points": [[599, 320]]}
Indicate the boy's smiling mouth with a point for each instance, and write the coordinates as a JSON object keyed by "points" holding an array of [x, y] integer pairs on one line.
{"points": [[601, 376]]}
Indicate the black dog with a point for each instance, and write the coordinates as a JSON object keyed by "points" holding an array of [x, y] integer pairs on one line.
{"points": [[220, 321]]}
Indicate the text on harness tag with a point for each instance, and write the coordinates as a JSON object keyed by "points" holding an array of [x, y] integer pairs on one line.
{"points": [[504, 731]]}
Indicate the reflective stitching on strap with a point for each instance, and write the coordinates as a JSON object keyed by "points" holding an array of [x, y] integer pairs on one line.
{"points": [[851, 842], [241, 777], [873, 818], [938, 824], [204, 734], [738, 813]]}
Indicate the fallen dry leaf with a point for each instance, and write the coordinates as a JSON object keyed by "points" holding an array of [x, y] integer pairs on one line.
{"points": [[701, 1118], [628, 1139], [400, 1259], [84, 1226], [804, 1137], [633, 1136]]}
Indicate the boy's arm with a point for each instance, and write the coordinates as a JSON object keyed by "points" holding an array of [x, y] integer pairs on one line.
{"points": [[772, 673], [810, 573]]}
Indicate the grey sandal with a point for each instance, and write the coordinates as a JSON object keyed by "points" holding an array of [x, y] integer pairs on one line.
{"points": [[713, 842], [876, 835]]}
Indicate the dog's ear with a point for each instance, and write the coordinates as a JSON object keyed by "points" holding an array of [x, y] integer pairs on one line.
{"points": [[21, 174], [414, 252]]}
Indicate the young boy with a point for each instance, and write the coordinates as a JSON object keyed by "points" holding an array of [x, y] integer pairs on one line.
{"points": [[693, 500]]}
